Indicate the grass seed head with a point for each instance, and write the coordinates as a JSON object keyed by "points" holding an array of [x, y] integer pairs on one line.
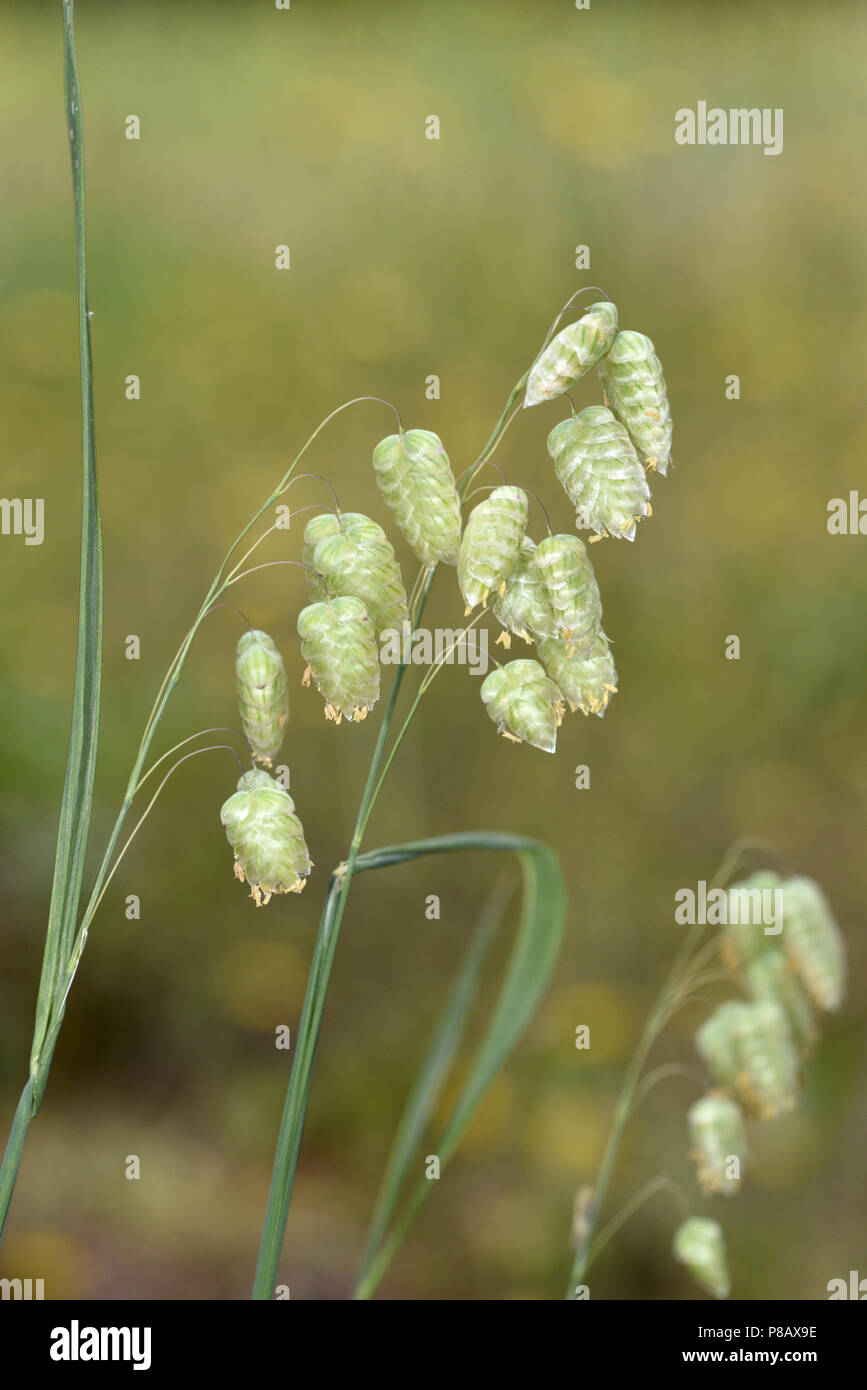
{"points": [[263, 695], [352, 556], [569, 584], [771, 975], [635, 390], [587, 681], [338, 642], [316, 530], [699, 1244], [491, 544], [744, 938], [416, 480], [749, 1049], [524, 703], [813, 942], [716, 1130], [267, 837], [601, 473], [523, 608], [573, 352]]}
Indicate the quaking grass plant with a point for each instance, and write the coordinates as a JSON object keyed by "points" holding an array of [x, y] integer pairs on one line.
{"points": [[781, 946], [543, 592]]}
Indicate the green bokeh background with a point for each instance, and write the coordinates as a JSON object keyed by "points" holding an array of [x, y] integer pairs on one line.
{"points": [[412, 257]]}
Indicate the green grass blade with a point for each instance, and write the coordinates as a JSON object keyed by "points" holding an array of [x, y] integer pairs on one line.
{"points": [[77, 802], [527, 975], [433, 1071]]}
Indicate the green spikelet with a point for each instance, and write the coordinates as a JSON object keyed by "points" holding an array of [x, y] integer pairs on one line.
{"points": [[588, 682], [569, 584], [416, 480], [522, 608], [699, 1244], [635, 390], [491, 545], [770, 975], [749, 1049], [524, 703], [339, 645], [716, 1129], [267, 837], [716, 1043], [316, 530], [572, 353], [813, 942], [353, 556], [263, 695], [602, 475], [748, 912], [767, 1079]]}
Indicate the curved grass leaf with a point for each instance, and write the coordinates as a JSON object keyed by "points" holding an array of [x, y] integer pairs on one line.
{"points": [[527, 975]]}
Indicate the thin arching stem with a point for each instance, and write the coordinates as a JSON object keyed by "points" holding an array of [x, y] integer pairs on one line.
{"points": [[81, 939], [217, 729], [272, 564]]}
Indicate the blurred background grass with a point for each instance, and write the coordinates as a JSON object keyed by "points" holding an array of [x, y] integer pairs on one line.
{"points": [[412, 257]]}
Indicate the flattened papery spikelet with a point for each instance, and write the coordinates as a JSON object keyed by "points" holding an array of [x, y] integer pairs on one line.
{"points": [[268, 838], [523, 608], [749, 1049], [569, 584], [316, 530], [716, 1128], [771, 975], [602, 475], [491, 544], [416, 480], [338, 641], [699, 1245], [524, 703], [813, 942], [354, 557], [571, 353], [587, 681], [716, 1044], [749, 903], [635, 390], [263, 694]]}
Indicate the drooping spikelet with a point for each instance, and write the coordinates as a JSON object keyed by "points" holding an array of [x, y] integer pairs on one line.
{"points": [[569, 584], [417, 483], [524, 703], [267, 837], [572, 353], [491, 544], [263, 695], [316, 530], [339, 645], [604, 479], [752, 906], [699, 1244], [749, 1049], [635, 390], [767, 1078], [716, 1129], [587, 681], [523, 608], [353, 556], [771, 975], [716, 1043], [813, 942]]}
